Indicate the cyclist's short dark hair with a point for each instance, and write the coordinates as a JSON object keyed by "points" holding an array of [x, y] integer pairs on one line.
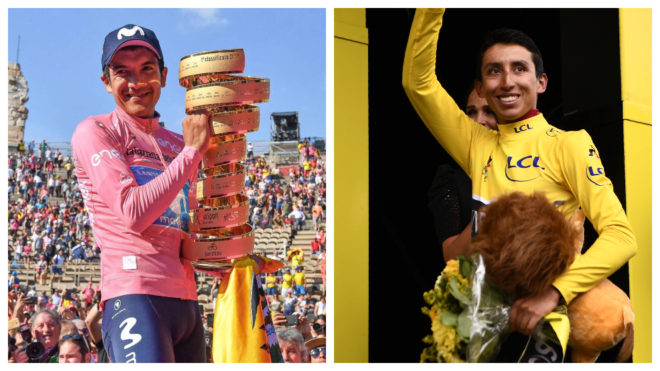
{"points": [[509, 36]]}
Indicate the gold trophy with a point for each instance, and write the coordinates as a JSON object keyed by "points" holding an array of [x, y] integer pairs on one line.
{"points": [[220, 228]]}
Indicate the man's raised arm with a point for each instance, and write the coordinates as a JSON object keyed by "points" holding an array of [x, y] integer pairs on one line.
{"points": [[450, 126]]}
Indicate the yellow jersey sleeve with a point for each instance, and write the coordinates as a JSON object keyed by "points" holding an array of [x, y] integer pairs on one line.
{"points": [[584, 175], [450, 126]]}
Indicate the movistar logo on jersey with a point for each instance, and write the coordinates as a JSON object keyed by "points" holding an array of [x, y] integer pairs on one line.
{"points": [[521, 128], [523, 169]]}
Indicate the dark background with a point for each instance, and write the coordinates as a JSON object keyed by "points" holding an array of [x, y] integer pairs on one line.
{"points": [[580, 48]]}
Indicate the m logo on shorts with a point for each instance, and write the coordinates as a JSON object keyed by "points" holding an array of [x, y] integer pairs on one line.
{"points": [[126, 326]]}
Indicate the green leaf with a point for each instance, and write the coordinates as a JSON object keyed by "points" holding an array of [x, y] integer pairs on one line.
{"points": [[463, 325], [491, 296], [442, 283], [465, 266], [449, 318], [456, 292]]}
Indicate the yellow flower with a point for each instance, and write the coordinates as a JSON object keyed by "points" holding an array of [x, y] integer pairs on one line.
{"points": [[445, 344], [446, 341], [452, 266]]}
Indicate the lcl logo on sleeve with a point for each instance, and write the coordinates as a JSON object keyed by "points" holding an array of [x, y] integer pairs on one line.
{"points": [[596, 175]]}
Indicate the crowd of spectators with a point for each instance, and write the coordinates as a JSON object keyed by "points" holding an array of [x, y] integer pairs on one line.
{"points": [[278, 200], [49, 228], [46, 211]]}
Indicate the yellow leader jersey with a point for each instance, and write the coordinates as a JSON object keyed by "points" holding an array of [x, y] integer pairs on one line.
{"points": [[526, 156]]}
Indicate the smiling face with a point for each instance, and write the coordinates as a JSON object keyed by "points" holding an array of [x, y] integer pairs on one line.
{"points": [[135, 80], [46, 330], [292, 352], [509, 82]]}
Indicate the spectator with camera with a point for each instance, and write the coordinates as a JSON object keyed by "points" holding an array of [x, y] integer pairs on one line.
{"points": [[318, 327], [39, 344]]}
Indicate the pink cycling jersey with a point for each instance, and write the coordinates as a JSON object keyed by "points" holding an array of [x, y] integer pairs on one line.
{"points": [[135, 179]]}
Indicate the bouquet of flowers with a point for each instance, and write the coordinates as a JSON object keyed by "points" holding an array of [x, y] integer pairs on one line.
{"points": [[469, 316]]}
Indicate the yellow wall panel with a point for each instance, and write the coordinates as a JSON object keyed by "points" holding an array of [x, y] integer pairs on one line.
{"points": [[635, 39], [638, 200], [635, 43], [351, 188]]}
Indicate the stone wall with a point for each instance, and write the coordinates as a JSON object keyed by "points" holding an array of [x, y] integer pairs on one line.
{"points": [[18, 113]]}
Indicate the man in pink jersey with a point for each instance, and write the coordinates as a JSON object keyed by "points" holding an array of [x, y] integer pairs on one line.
{"points": [[135, 177]]}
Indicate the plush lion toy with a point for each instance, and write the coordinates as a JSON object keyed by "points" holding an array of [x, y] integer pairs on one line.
{"points": [[526, 243]]}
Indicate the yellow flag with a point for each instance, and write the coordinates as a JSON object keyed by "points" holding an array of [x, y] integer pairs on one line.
{"points": [[242, 326]]}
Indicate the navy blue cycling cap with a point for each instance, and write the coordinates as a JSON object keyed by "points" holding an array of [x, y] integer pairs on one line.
{"points": [[129, 35]]}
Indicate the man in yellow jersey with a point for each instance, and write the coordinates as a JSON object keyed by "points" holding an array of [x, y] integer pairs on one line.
{"points": [[299, 280], [526, 154], [271, 283], [287, 281]]}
